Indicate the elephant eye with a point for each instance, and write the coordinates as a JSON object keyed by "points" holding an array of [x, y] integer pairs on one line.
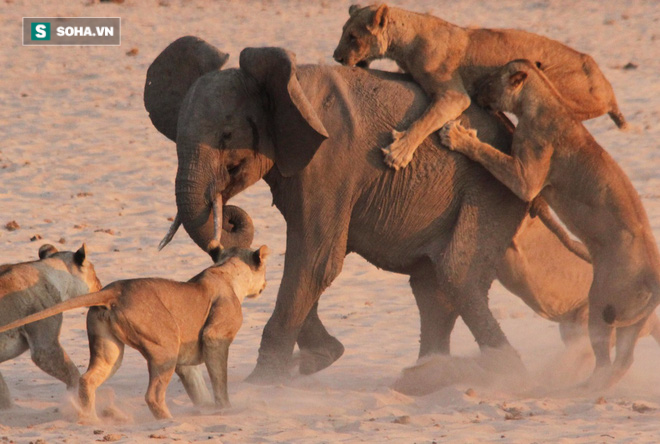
{"points": [[226, 135], [232, 170], [352, 38]]}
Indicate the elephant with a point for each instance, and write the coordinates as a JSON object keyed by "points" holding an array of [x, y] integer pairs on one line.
{"points": [[314, 133]]}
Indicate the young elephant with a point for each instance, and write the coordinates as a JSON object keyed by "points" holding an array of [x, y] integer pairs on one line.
{"points": [[447, 61], [28, 287], [172, 324], [555, 156]]}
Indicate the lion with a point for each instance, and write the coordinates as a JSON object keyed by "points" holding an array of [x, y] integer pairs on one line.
{"points": [[28, 287], [447, 61], [172, 324], [554, 156]]}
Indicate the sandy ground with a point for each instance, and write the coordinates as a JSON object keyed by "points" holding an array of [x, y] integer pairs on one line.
{"points": [[81, 162]]}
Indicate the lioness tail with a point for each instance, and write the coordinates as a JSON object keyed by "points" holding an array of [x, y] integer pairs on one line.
{"points": [[102, 297], [540, 208]]}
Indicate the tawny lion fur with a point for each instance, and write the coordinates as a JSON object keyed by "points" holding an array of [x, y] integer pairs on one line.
{"points": [[447, 61], [553, 281], [553, 155], [174, 325], [28, 287]]}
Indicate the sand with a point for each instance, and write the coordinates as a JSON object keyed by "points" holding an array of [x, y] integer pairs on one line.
{"points": [[81, 162]]}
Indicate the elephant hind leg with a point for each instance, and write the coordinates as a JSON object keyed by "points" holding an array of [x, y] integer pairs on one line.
{"points": [[437, 313], [318, 348], [466, 268]]}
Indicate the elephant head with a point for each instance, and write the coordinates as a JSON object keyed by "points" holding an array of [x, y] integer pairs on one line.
{"points": [[230, 126]]}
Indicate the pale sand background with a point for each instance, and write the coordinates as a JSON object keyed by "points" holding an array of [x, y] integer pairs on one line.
{"points": [[79, 155]]}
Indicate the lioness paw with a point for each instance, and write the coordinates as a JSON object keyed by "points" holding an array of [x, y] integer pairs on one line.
{"points": [[398, 154], [396, 135], [454, 135]]}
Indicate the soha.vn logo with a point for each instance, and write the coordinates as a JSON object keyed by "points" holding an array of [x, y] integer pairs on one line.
{"points": [[40, 31]]}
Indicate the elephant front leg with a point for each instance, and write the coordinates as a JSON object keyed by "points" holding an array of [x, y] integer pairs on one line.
{"points": [[318, 348], [311, 264]]}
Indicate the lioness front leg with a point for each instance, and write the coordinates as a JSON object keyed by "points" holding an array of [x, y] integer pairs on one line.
{"points": [[446, 105], [216, 354], [193, 382], [524, 172]]}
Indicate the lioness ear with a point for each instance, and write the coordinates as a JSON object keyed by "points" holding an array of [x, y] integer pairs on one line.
{"points": [[353, 9], [380, 17], [46, 250], [260, 255], [80, 255], [517, 78]]}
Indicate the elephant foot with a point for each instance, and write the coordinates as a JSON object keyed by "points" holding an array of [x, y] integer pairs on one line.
{"points": [[270, 373], [315, 359]]}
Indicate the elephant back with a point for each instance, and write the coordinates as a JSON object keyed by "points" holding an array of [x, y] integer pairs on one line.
{"points": [[170, 76]]}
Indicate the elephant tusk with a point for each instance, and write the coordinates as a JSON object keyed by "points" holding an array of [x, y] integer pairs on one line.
{"points": [[170, 233], [217, 225]]}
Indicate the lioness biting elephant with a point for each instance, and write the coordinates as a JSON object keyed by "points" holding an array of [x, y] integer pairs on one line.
{"points": [[555, 156], [172, 324], [28, 287], [447, 61]]}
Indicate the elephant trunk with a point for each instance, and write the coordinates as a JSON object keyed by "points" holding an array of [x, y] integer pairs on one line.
{"points": [[201, 210]]}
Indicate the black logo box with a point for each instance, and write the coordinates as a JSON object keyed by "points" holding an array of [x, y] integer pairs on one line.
{"points": [[93, 23]]}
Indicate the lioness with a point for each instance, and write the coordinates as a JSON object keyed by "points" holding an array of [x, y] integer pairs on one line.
{"points": [[447, 61], [170, 323], [554, 155], [553, 281], [28, 287]]}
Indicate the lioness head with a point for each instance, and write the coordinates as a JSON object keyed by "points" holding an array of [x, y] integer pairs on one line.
{"points": [[76, 263], [501, 90], [254, 282], [363, 38]]}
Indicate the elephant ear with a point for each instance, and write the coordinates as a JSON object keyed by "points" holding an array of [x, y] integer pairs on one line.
{"points": [[170, 76], [296, 129]]}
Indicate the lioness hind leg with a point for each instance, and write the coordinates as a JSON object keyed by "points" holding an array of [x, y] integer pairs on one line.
{"points": [[5, 397], [105, 356], [47, 352], [160, 374], [626, 338]]}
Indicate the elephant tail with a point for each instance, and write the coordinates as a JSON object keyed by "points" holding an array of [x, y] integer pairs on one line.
{"points": [[541, 209], [170, 76], [103, 297]]}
